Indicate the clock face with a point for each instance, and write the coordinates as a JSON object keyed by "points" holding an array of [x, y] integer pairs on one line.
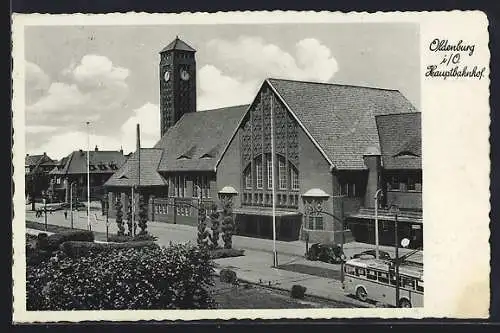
{"points": [[166, 76], [184, 75]]}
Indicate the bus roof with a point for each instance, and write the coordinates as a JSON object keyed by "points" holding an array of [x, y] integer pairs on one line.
{"points": [[409, 269]]}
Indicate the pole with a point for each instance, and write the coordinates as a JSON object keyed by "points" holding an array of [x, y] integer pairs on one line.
{"points": [[343, 224], [45, 210], [396, 257], [71, 203], [88, 176], [133, 211], [107, 221], [377, 251], [275, 254]]}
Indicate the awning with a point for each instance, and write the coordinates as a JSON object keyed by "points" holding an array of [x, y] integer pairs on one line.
{"points": [[265, 212], [385, 217]]}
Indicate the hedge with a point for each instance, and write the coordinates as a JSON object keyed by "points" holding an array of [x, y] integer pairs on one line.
{"points": [[127, 238], [226, 253], [54, 240], [78, 249], [177, 277]]}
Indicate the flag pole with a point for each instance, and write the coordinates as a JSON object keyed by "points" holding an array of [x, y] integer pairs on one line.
{"points": [[88, 176], [275, 254]]}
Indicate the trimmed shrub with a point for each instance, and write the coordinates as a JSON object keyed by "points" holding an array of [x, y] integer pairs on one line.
{"points": [[298, 291], [54, 240], [127, 238], [42, 241], [119, 215], [177, 277], [214, 236], [143, 215], [228, 276], [227, 225], [202, 227], [226, 253], [78, 249]]}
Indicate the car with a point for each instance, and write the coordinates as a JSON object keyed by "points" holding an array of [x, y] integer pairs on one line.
{"points": [[372, 254], [329, 253]]}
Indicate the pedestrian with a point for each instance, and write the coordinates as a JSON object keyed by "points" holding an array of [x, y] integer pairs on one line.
{"points": [[65, 214]]}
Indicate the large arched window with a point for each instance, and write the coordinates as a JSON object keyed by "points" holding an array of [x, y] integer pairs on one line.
{"points": [[247, 177], [287, 175]]}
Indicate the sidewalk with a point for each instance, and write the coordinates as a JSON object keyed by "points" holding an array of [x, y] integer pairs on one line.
{"points": [[167, 233]]}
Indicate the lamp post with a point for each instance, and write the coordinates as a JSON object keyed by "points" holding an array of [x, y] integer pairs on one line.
{"points": [[377, 252], [88, 176], [45, 211], [71, 202], [395, 209]]}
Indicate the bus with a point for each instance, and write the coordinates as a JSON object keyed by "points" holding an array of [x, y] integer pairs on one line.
{"points": [[373, 279]]}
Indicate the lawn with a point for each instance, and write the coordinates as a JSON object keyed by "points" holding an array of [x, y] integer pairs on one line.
{"points": [[249, 296]]}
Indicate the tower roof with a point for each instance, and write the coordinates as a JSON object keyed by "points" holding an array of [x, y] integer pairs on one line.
{"points": [[178, 44]]}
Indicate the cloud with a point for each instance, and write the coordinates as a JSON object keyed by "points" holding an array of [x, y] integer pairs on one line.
{"points": [[254, 58], [219, 90], [60, 145], [148, 117], [40, 129], [243, 64], [37, 82], [93, 87]]}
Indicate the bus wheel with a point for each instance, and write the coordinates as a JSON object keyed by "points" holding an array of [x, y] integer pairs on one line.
{"points": [[404, 303], [361, 294]]}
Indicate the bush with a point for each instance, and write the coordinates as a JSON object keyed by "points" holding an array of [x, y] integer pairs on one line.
{"points": [[177, 277], [226, 253], [298, 291], [54, 240], [127, 238], [228, 276], [78, 249]]}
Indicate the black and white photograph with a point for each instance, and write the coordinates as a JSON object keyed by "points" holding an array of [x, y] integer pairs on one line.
{"points": [[188, 165]]}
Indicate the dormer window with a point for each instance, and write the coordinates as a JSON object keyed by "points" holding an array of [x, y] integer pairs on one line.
{"points": [[406, 153], [92, 167], [205, 156]]}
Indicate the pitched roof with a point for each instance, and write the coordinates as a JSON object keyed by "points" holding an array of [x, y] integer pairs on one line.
{"points": [[35, 159], [197, 140], [127, 175], [178, 44], [341, 118], [101, 161], [400, 140]]}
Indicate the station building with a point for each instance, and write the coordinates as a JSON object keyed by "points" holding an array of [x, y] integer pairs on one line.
{"points": [[334, 147]]}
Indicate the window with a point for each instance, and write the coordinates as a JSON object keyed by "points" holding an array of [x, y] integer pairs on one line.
{"points": [[348, 189], [295, 178], [282, 173], [371, 274], [248, 177], [408, 283], [360, 271], [394, 183], [420, 285], [269, 164], [383, 277], [410, 185], [316, 222], [258, 172], [58, 180], [196, 187], [349, 269]]}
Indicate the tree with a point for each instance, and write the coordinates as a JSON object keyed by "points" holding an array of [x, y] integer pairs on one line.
{"points": [[202, 227], [143, 215], [214, 237], [227, 225], [129, 215], [119, 216], [37, 181]]}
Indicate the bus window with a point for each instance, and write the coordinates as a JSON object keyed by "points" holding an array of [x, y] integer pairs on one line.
{"points": [[372, 275], [349, 269], [383, 277], [408, 283], [420, 285], [393, 279], [360, 271]]}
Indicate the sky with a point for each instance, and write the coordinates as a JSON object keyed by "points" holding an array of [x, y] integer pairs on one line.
{"points": [[109, 75]]}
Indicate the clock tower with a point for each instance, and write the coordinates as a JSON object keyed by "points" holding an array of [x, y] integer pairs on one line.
{"points": [[177, 83]]}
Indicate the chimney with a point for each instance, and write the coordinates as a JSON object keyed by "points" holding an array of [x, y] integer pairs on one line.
{"points": [[44, 154], [96, 149], [138, 138], [121, 150], [371, 158], [27, 155]]}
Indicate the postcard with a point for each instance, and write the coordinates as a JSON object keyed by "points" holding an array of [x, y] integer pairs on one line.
{"points": [[260, 165]]}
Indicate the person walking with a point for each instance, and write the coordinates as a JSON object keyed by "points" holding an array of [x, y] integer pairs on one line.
{"points": [[65, 214]]}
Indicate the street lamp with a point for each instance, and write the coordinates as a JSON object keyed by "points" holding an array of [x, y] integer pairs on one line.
{"points": [[71, 202], [377, 252], [395, 210]]}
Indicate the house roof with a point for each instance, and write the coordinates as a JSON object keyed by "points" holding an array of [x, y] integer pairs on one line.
{"points": [[33, 160], [400, 140], [197, 140], [178, 44], [127, 176], [340, 118], [100, 161]]}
